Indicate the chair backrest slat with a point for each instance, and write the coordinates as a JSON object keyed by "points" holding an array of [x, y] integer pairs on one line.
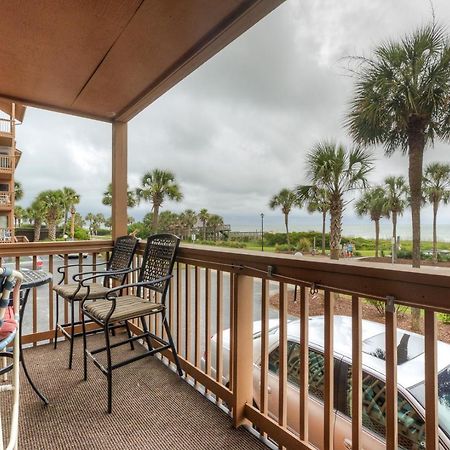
{"points": [[158, 260], [121, 257]]}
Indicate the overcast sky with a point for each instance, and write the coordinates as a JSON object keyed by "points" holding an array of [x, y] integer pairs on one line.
{"points": [[237, 130]]}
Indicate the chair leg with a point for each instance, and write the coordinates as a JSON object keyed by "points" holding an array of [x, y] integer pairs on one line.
{"points": [[109, 370], [72, 332], [129, 334], [56, 321], [172, 345], [147, 338], [84, 346]]}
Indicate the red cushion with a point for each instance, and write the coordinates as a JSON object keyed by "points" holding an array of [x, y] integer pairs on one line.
{"points": [[9, 324]]}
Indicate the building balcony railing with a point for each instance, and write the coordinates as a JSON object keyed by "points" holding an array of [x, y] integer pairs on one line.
{"points": [[7, 164], [214, 290], [6, 127], [6, 199]]}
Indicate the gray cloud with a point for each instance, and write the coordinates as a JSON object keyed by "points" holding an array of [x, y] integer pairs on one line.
{"points": [[237, 130]]}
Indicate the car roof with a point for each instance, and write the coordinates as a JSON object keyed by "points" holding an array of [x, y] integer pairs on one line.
{"points": [[411, 366]]}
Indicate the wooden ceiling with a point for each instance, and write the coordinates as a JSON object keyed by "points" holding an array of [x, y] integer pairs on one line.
{"points": [[109, 59]]}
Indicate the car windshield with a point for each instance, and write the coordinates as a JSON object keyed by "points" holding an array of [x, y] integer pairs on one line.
{"points": [[443, 397]]}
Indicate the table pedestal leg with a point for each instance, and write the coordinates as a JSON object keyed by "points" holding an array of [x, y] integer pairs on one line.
{"points": [[22, 359]]}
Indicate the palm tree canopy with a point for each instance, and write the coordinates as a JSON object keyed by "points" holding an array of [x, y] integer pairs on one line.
{"points": [[316, 199], [337, 170], [157, 185], [406, 85], [285, 200], [18, 190], [53, 201], [131, 197], [70, 197], [396, 192], [37, 210], [203, 215], [436, 183], [373, 203]]}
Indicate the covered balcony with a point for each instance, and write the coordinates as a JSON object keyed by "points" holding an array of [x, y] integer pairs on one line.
{"points": [[117, 60]]}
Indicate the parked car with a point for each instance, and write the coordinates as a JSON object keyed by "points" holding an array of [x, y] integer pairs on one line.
{"points": [[26, 262], [410, 375]]}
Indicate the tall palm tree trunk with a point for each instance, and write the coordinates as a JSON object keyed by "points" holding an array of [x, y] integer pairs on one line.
{"points": [[377, 237], [155, 217], [435, 210], [324, 218], [394, 236], [52, 230], [416, 141], [66, 218], [204, 229], [335, 227], [72, 225], [286, 223], [37, 230]]}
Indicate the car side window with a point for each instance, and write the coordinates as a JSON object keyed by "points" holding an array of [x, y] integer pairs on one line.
{"points": [[411, 426], [316, 368]]}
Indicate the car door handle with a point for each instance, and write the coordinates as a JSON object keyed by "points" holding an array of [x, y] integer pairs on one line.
{"points": [[269, 389]]}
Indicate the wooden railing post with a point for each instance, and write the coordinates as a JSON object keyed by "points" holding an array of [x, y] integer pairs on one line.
{"points": [[119, 179], [243, 348]]}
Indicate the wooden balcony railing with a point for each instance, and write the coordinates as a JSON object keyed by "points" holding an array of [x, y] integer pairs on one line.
{"points": [[6, 198], [6, 126], [213, 290], [6, 164]]}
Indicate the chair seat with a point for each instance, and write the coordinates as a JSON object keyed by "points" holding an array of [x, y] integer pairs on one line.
{"points": [[67, 291], [9, 325], [127, 307]]}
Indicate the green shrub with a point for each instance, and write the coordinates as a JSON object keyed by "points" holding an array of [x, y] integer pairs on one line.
{"points": [[81, 234], [282, 248], [304, 245], [445, 318]]}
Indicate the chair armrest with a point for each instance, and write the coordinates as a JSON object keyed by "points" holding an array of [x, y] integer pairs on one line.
{"points": [[60, 269], [94, 275], [138, 284]]}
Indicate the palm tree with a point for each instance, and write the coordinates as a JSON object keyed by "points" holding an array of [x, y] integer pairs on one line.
{"points": [[215, 221], [19, 214], [317, 200], [203, 217], [18, 191], [36, 214], [99, 219], [373, 204], [396, 194], [285, 199], [156, 187], [402, 102], [188, 219], [70, 199], [90, 217], [436, 189], [337, 170], [107, 197], [54, 209]]}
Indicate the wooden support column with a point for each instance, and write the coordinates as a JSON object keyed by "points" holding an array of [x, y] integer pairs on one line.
{"points": [[119, 179], [243, 347]]}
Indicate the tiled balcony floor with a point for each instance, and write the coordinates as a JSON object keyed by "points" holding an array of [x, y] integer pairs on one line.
{"points": [[152, 408]]}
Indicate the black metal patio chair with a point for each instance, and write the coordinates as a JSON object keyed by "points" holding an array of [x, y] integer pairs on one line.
{"points": [[154, 278], [117, 268]]}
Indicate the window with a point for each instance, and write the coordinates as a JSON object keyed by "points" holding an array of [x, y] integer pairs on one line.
{"points": [[411, 427], [316, 368]]}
